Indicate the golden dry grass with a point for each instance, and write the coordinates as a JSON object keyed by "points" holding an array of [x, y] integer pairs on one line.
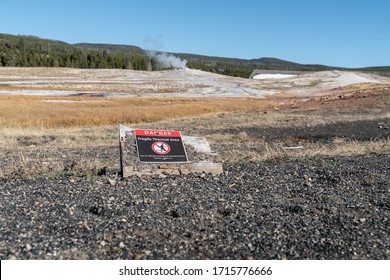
{"points": [[45, 135], [43, 151], [57, 112]]}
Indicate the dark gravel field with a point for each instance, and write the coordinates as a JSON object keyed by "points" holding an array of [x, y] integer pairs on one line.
{"points": [[364, 130], [318, 208]]}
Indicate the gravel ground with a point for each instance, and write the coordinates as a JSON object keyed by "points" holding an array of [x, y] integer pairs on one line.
{"points": [[364, 130], [319, 208]]}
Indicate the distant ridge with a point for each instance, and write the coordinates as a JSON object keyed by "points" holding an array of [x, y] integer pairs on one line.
{"points": [[111, 48], [245, 67], [32, 51]]}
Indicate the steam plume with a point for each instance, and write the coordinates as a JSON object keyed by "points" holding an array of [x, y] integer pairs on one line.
{"points": [[167, 60]]}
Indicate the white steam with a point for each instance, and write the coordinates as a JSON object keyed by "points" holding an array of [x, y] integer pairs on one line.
{"points": [[167, 60]]}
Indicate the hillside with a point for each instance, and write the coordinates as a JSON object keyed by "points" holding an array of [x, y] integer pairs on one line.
{"points": [[32, 51], [244, 67], [128, 49]]}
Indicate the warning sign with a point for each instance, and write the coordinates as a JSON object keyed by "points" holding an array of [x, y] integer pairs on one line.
{"points": [[160, 146]]}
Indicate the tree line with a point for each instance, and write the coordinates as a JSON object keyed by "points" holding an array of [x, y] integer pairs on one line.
{"points": [[224, 68], [28, 51]]}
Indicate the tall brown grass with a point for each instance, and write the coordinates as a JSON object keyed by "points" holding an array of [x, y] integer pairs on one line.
{"points": [[56, 112]]}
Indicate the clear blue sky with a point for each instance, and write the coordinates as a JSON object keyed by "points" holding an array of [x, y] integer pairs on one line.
{"points": [[351, 33]]}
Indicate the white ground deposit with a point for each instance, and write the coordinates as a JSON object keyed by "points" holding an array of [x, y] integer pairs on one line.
{"points": [[272, 76], [169, 83]]}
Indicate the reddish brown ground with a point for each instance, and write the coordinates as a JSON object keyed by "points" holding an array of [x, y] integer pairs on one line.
{"points": [[373, 97]]}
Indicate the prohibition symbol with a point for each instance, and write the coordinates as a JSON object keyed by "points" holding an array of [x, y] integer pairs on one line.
{"points": [[161, 148]]}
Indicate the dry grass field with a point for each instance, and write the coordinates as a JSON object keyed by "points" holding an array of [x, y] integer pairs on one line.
{"points": [[237, 136], [42, 134], [58, 112]]}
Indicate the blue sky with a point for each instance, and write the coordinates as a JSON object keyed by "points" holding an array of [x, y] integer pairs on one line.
{"points": [[350, 33]]}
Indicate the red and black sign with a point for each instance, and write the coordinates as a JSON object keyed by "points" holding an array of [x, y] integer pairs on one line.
{"points": [[159, 146]]}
